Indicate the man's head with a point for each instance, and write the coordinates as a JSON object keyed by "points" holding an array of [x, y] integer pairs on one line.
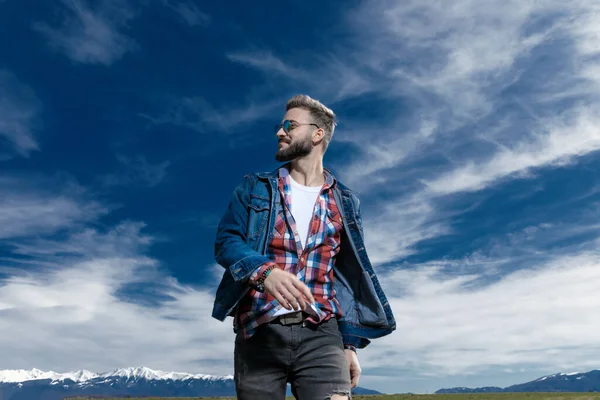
{"points": [[306, 127]]}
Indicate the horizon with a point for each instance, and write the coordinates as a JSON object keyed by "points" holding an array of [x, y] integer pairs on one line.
{"points": [[165, 375], [469, 129]]}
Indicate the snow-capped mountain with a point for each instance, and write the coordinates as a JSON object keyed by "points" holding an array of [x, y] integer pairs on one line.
{"points": [[20, 375], [139, 382], [561, 382]]}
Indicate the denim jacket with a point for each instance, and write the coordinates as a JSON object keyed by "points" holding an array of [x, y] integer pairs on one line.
{"points": [[241, 244]]}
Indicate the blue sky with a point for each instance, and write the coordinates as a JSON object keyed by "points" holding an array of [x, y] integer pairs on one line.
{"points": [[469, 128]]}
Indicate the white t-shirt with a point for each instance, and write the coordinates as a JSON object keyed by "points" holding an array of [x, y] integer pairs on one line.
{"points": [[304, 199]]}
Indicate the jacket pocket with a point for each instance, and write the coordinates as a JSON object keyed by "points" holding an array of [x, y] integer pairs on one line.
{"points": [[258, 213]]}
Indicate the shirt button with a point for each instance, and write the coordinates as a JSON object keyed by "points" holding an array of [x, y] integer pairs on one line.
{"points": [[302, 259]]}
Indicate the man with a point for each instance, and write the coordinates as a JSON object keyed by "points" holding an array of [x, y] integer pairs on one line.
{"points": [[297, 279]]}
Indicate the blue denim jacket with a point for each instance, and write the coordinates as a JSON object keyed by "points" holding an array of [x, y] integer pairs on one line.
{"points": [[241, 243]]}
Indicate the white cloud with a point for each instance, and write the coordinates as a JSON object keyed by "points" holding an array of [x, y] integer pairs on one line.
{"points": [[585, 27], [328, 77], [137, 171], [392, 228], [189, 12], [197, 114], [29, 209], [542, 317], [563, 140], [19, 113], [266, 61], [466, 49], [91, 34], [382, 153]]}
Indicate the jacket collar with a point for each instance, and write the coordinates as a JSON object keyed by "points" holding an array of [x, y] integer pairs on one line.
{"points": [[275, 174]]}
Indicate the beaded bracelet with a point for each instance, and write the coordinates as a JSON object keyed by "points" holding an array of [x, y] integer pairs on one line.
{"points": [[260, 283]]}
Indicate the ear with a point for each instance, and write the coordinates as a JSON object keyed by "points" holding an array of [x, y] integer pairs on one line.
{"points": [[318, 135]]}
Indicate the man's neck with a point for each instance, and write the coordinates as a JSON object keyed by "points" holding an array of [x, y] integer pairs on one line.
{"points": [[308, 172]]}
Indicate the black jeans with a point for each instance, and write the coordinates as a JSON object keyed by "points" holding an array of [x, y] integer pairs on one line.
{"points": [[310, 357]]}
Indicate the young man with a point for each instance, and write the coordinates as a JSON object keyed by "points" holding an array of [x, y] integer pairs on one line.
{"points": [[297, 279]]}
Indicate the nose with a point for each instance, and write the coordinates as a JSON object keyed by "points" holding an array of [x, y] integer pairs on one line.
{"points": [[281, 133]]}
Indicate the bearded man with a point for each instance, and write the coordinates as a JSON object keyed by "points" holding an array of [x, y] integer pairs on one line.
{"points": [[298, 282]]}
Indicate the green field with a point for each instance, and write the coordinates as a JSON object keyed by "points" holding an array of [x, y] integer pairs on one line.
{"points": [[478, 396]]}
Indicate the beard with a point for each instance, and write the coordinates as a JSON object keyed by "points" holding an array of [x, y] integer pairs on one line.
{"points": [[297, 149]]}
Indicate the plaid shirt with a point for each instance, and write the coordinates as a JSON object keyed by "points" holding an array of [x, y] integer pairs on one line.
{"points": [[312, 265]]}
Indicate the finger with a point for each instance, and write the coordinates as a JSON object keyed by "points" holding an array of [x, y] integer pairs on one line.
{"points": [[356, 376], [305, 290], [278, 296], [298, 298], [354, 379], [290, 300]]}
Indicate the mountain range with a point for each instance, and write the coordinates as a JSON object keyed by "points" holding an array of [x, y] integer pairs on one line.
{"points": [[136, 382], [562, 382], [140, 382]]}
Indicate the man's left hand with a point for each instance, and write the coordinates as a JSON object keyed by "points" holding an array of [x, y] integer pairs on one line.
{"points": [[354, 367]]}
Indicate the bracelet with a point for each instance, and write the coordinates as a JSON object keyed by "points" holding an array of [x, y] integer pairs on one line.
{"points": [[350, 347], [260, 283]]}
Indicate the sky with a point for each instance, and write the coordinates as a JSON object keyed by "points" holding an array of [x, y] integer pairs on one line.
{"points": [[470, 130]]}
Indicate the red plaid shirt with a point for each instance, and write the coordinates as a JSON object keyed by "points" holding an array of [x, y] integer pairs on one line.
{"points": [[313, 265]]}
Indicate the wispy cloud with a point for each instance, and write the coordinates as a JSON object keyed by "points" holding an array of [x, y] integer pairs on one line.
{"points": [[91, 34], [19, 113], [466, 56], [137, 171], [267, 62], [562, 141], [329, 77], [199, 115], [34, 207], [460, 125], [189, 12]]}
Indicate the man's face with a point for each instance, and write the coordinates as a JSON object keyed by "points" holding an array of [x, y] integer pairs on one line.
{"points": [[297, 142]]}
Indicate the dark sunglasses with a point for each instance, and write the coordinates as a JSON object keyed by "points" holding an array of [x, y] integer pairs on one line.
{"points": [[287, 125]]}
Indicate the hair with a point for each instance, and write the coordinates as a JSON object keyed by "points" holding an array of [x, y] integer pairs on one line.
{"points": [[320, 114]]}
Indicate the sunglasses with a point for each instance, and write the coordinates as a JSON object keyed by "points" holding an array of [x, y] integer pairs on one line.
{"points": [[288, 125]]}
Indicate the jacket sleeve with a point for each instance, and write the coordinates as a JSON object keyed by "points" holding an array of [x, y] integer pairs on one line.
{"points": [[231, 250]]}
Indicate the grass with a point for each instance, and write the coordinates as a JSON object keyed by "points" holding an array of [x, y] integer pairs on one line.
{"points": [[476, 396]]}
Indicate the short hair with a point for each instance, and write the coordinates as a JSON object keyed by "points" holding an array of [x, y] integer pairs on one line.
{"points": [[320, 114]]}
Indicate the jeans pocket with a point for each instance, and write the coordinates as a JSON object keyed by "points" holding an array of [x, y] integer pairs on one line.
{"points": [[329, 327]]}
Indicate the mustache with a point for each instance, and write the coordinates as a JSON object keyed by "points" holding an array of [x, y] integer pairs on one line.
{"points": [[285, 141]]}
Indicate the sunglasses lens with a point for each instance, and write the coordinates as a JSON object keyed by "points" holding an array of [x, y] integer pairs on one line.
{"points": [[286, 125]]}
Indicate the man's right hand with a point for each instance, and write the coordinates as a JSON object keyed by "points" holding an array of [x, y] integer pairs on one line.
{"points": [[289, 291]]}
